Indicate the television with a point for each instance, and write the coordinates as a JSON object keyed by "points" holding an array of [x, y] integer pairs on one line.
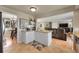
{"points": [[63, 25]]}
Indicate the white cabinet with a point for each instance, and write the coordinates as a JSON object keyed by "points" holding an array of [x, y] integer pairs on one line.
{"points": [[26, 36], [29, 36], [23, 36], [44, 37]]}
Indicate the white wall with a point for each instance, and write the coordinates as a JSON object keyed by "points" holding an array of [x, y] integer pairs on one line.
{"points": [[55, 25], [38, 26], [57, 19], [76, 21]]}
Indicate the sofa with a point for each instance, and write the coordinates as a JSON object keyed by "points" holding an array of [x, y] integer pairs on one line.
{"points": [[59, 34]]}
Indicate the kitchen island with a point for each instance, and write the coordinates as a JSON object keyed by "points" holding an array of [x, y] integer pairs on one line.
{"points": [[43, 37]]}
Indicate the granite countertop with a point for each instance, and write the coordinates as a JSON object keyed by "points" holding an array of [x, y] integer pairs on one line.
{"points": [[42, 31]]}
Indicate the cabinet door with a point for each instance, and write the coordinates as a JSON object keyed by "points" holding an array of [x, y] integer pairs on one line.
{"points": [[23, 36], [29, 37], [32, 36], [1, 35]]}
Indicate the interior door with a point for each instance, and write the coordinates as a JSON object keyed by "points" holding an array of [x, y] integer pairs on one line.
{"points": [[1, 35]]}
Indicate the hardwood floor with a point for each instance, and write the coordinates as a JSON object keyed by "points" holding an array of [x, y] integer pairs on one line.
{"points": [[57, 46]]}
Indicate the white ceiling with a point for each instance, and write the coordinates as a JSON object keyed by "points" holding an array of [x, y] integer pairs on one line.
{"points": [[43, 10], [57, 18]]}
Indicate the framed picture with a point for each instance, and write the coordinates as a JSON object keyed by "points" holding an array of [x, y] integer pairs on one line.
{"points": [[13, 23], [7, 22]]}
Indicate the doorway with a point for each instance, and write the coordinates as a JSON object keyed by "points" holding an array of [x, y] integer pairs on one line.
{"points": [[9, 29]]}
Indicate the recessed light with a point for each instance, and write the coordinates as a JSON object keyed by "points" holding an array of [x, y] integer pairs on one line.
{"points": [[33, 9]]}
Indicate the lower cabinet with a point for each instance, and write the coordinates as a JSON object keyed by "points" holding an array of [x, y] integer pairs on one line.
{"points": [[42, 37], [29, 37]]}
